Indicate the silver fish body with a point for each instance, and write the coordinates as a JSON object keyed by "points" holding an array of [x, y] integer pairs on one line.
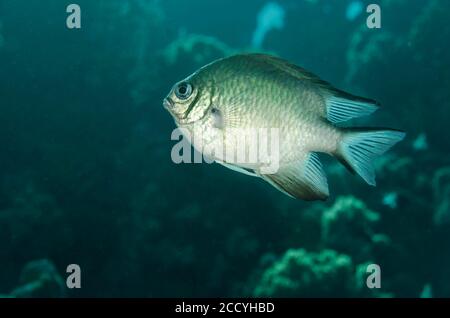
{"points": [[245, 97]]}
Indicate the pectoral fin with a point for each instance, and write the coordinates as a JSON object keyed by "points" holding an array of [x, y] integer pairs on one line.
{"points": [[303, 179]]}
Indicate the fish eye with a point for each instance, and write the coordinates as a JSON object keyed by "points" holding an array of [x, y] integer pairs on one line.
{"points": [[183, 90]]}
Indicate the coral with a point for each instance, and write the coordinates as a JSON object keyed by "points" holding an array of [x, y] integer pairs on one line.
{"points": [[39, 279], [349, 242], [200, 48], [349, 226], [271, 17], [307, 274]]}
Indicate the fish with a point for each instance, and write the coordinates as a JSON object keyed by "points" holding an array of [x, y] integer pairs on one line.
{"points": [[233, 97]]}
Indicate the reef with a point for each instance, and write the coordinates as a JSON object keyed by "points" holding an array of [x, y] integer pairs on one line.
{"points": [[87, 177], [350, 226], [349, 242], [199, 48], [39, 279], [307, 274]]}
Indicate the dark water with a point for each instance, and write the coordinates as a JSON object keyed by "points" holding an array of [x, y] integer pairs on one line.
{"points": [[87, 178]]}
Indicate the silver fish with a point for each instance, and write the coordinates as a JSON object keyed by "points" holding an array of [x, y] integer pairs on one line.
{"points": [[231, 98]]}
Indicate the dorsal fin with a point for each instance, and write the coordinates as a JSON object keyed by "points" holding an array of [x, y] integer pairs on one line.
{"points": [[339, 105], [289, 68], [342, 107]]}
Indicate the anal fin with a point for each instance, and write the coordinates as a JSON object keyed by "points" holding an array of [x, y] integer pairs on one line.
{"points": [[303, 179]]}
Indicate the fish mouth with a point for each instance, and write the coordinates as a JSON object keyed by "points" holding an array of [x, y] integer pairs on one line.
{"points": [[167, 103]]}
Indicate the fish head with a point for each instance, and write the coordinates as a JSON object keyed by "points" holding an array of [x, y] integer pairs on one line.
{"points": [[189, 100]]}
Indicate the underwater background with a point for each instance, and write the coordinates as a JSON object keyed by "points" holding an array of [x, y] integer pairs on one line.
{"points": [[86, 175]]}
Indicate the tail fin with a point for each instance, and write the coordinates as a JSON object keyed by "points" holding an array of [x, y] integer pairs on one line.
{"points": [[358, 148]]}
